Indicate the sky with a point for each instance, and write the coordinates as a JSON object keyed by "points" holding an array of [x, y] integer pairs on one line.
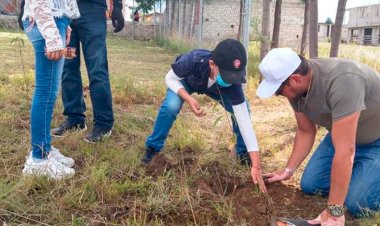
{"points": [[327, 8]]}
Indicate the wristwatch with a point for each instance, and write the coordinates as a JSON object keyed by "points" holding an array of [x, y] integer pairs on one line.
{"points": [[335, 210]]}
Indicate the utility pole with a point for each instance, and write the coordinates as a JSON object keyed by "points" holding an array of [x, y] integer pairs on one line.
{"points": [[246, 24], [246, 15]]}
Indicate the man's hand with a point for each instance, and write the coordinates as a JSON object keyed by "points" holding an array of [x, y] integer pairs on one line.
{"points": [[69, 52], [117, 19], [258, 179], [68, 35], [108, 14], [325, 219], [194, 105], [54, 55], [279, 175]]}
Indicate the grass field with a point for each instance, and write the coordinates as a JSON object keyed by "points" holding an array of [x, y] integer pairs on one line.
{"points": [[195, 181]]}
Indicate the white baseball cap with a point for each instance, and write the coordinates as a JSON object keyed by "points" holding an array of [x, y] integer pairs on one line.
{"points": [[276, 67]]}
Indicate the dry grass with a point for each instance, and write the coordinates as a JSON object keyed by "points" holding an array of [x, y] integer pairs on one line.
{"points": [[110, 186]]}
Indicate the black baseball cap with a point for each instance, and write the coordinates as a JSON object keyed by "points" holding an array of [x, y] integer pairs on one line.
{"points": [[230, 57]]}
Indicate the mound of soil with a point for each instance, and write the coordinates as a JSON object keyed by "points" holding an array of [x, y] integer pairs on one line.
{"points": [[158, 166], [215, 186], [185, 162], [217, 181], [281, 201]]}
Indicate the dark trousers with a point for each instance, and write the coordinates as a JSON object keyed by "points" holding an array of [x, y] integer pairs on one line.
{"points": [[89, 31]]}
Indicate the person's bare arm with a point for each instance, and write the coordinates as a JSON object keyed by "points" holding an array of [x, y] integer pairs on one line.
{"points": [[344, 139], [303, 142]]}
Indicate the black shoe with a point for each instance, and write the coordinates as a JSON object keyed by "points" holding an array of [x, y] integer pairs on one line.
{"points": [[244, 159], [149, 154], [97, 134], [65, 127]]}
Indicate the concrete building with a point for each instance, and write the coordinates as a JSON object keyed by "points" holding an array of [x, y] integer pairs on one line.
{"points": [[292, 20], [222, 20], [364, 25], [324, 32]]}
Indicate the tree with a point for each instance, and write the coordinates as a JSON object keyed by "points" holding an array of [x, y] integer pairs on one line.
{"points": [[146, 5], [184, 16], [276, 26], [313, 28], [329, 21], [305, 28], [265, 29], [337, 28]]}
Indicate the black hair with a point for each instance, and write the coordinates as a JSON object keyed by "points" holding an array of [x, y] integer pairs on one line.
{"points": [[303, 69]]}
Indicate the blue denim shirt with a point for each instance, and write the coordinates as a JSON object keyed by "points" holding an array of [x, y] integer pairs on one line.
{"points": [[194, 68]]}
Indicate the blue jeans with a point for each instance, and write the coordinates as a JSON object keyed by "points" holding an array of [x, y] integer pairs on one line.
{"points": [[47, 81], [90, 32], [168, 112], [364, 190]]}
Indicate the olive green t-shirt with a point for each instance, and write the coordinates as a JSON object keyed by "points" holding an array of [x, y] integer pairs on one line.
{"points": [[339, 88]]}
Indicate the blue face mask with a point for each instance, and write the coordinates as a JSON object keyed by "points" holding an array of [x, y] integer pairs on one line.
{"points": [[221, 82]]}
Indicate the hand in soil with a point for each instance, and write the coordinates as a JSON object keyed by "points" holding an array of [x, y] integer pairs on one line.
{"points": [[195, 108], [325, 219], [279, 175], [258, 179]]}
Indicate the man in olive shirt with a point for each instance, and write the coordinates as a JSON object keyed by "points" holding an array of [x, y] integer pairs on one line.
{"points": [[344, 97]]}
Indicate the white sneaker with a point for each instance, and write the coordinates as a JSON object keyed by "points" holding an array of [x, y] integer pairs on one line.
{"points": [[49, 167], [57, 155]]}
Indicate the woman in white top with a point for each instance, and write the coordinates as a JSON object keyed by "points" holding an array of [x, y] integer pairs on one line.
{"points": [[46, 23]]}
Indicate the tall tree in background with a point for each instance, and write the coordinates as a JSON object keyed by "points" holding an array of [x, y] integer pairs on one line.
{"points": [[329, 21], [180, 19], [277, 23], [146, 5], [184, 16], [313, 28], [175, 12], [337, 28], [265, 29], [191, 24], [305, 28]]}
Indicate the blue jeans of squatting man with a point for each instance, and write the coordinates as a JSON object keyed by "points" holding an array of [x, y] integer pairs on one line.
{"points": [[47, 83], [168, 112], [364, 190]]}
